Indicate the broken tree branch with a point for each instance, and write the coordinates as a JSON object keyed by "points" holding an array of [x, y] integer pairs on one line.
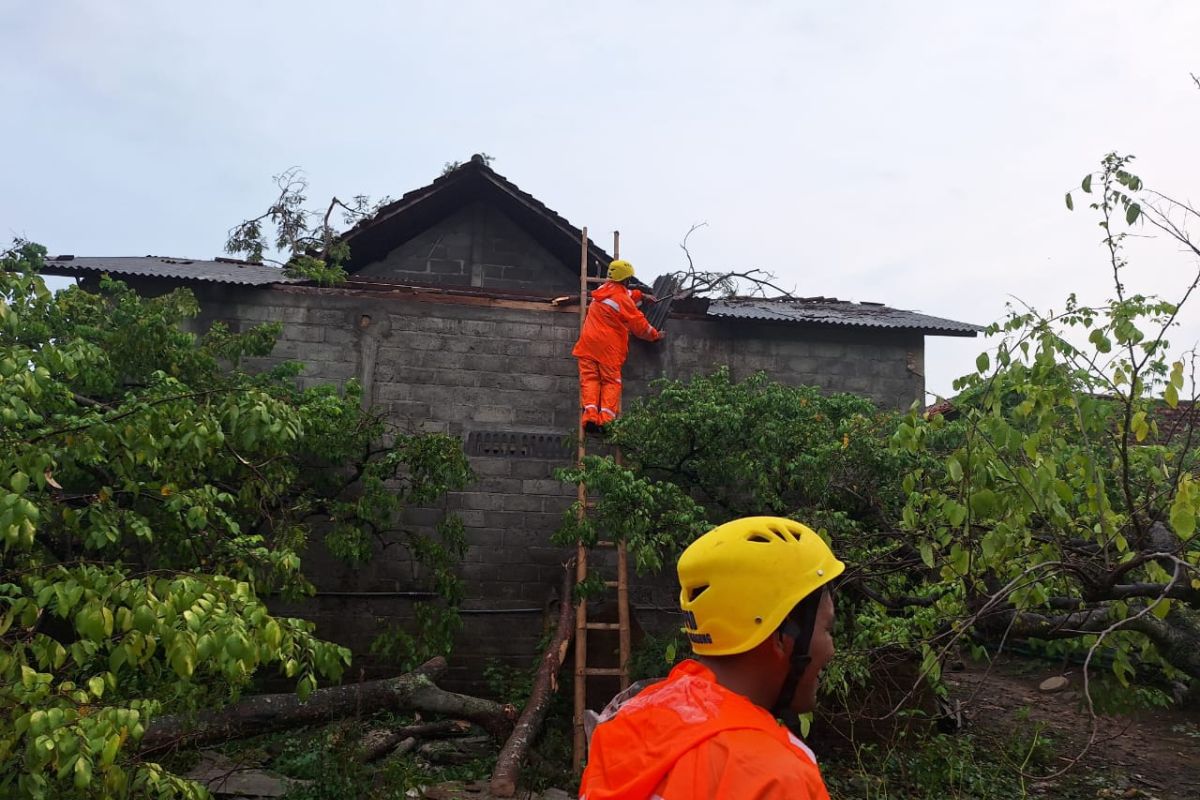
{"points": [[413, 691], [515, 750], [379, 743], [695, 282]]}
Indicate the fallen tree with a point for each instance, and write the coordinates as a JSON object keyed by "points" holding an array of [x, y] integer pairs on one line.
{"points": [[515, 750], [378, 743], [413, 691]]}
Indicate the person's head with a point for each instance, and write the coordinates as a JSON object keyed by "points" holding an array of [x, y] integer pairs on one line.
{"points": [[758, 610], [620, 271]]}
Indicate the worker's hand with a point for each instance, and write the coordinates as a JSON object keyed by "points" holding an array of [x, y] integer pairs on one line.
{"points": [[650, 297], [658, 335]]}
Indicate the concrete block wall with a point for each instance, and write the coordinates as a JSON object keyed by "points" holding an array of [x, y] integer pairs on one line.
{"points": [[476, 246], [458, 368]]}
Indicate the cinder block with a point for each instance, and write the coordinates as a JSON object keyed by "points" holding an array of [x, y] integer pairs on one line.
{"points": [[493, 414], [341, 335]]}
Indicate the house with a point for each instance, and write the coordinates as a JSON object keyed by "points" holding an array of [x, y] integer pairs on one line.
{"points": [[453, 320]]}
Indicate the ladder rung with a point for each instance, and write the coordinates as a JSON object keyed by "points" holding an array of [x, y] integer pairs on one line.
{"points": [[603, 626], [605, 543], [597, 280], [603, 671], [612, 584]]}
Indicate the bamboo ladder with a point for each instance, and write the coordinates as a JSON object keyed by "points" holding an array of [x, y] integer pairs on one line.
{"points": [[621, 584]]}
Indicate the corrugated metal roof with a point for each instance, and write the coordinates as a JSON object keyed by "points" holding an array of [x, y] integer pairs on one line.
{"points": [[222, 270], [831, 311]]}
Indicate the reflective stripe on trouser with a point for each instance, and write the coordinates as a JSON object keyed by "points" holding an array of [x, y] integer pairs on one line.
{"points": [[599, 387]]}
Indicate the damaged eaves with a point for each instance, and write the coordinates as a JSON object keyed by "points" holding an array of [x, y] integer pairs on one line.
{"points": [[788, 311]]}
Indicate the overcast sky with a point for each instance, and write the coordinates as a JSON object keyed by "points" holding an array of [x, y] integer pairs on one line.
{"points": [[912, 153]]}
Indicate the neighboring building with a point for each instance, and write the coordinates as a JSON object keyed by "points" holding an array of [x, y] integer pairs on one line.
{"points": [[459, 316]]}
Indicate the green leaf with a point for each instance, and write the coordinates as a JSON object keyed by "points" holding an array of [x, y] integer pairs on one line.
{"points": [[1131, 213], [1183, 512], [83, 772], [96, 686], [926, 553], [1140, 427], [984, 503], [1070, 202], [1087, 183], [19, 482], [982, 362], [954, 468], [1097, 338]]}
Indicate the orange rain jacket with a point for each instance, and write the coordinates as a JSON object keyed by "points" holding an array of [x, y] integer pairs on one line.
{"points": [[688, 737], [611, 317]]}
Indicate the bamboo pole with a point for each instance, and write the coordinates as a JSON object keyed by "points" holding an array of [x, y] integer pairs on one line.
{"points": [[622, 562], [581, 554]]}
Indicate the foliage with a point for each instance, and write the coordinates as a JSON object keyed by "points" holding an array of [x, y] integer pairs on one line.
{"points": [[450, 166], [704, 451], [1058, 507], [151, 494], [974, 767], [711, 449], [308, 245], [328, 760], [1064, 505]]}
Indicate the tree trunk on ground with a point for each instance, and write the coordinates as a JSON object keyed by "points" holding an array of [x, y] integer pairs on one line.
{"points": [[378, 743], [413, 691], [1177, 637], [508, 764]]}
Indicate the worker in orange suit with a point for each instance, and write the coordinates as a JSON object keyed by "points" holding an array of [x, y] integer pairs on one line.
{"points": [[604, 343], [759, 615]]}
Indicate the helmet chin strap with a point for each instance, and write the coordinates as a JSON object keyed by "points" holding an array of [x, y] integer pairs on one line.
{"points": [[799, 625]]}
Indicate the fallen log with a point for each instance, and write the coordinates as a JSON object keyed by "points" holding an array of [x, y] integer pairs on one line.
{"points": [[378, 743], [515, 750], [413, 691], [456, 751]]}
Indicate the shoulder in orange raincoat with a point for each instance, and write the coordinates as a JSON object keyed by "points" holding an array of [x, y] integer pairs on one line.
{"points": [[612, 316], [688, 737]]}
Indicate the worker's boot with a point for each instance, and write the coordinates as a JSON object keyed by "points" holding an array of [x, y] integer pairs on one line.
{"points": [[591, 421]]}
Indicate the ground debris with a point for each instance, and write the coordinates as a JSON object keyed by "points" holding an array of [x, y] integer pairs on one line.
{"points": [[225, 777], [1054, 684], [457, 751], [478, 790]]}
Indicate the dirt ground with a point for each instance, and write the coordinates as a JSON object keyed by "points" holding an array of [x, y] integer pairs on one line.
{"points": [[1143, 755]]}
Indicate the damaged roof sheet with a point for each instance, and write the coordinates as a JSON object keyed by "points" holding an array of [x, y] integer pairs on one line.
{"points": [[220, 270], [831, 311]]}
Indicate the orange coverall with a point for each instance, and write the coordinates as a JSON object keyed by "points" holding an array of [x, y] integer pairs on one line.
{"points": [[687, 738], [603, 345]]}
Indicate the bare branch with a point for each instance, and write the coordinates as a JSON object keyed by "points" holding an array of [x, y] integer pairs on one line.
{"points": [[695, 282]]}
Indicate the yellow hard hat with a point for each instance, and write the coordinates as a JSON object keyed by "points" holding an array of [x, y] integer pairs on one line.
{"points": [[739, 581], [620, 270]]}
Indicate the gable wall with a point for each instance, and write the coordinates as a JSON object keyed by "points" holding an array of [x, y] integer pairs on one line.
{"points": [[479, 246], [462, 368]]}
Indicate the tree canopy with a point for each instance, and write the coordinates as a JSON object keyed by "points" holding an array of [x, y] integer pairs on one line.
{"points": [[152, 495]]}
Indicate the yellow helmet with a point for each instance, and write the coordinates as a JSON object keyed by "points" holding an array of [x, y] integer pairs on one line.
{"points": [[620, 270], [739, 581]]}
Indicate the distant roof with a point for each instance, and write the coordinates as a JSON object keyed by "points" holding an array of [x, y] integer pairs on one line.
{"points": [[831, 311], [420, 209], [219, 270]]}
